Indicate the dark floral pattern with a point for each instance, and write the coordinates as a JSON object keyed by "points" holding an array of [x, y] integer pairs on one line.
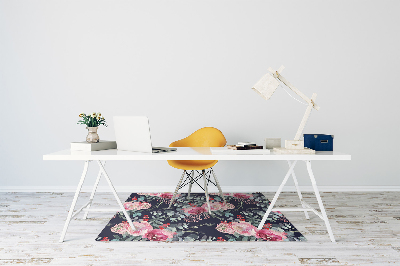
{"points": [[189, 220]]}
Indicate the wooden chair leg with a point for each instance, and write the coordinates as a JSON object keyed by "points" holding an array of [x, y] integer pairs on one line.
{"points": [[219, 187], [176, 190], [206, 191]]}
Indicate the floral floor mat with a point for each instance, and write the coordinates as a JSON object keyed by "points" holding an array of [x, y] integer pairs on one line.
{"points": [[189, 220]]}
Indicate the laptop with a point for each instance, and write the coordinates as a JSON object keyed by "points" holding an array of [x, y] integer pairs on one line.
{"points": [[133, 134]]}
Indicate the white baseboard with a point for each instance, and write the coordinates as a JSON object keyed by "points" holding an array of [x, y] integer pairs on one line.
{"points": [[195, 189]]}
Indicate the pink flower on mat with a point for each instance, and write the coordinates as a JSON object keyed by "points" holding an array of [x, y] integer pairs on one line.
{"points": [[129, 206], [216, 205], [166, 195], [149, 194], [242, 195], [218, 194], [271, 235], [195, 210], [119, 228], [225, 227], [141, 228], [124, 228], [136, 205], [244, 228], [159, 235]]}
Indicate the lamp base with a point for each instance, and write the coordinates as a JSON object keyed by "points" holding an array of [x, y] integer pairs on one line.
{"points": [[293, 151]]}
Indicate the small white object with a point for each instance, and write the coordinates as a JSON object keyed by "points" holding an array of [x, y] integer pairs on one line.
{"points": [[294, 144], [86, 146], [294, 147], [271, 143]]}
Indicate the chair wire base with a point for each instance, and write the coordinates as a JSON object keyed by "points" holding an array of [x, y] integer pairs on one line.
{"points": [[193, 176]]}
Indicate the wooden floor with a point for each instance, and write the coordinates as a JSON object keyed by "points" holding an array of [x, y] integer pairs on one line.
{"points": [[366, 226]]}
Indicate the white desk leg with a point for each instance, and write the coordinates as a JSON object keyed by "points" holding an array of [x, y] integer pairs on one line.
{"points": [[93, 192], [298, 191], [71, 210], [321, 205], [206, 191], [116, 196], [260, 226]]}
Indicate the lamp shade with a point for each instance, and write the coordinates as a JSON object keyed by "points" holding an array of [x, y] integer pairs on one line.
{"points": [[266, 86]]}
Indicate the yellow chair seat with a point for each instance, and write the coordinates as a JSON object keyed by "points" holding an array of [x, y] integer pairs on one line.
{"points": [[191, 164]]}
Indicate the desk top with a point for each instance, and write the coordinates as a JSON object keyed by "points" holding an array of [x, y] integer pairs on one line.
{"points": [[186, 153]]}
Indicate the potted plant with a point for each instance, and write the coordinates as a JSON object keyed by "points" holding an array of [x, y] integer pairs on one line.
{"points": [[92, 123]]}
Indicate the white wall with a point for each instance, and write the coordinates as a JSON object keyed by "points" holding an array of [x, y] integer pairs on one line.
{"points": [[189, 64]]}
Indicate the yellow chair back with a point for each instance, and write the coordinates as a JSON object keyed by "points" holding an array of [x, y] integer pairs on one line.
{"points": [[204, 137]]}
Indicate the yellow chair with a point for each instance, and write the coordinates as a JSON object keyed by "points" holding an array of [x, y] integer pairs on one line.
{"points": [[204, 137]]}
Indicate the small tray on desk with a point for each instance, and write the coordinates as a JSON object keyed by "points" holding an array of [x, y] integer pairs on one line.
{"points": [[225, 150]]}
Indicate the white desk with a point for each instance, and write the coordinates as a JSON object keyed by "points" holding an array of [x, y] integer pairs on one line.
{"points": [[194, 154]]}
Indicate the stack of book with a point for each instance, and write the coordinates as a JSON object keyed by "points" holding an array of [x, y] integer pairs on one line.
{"points": [[240, 148], [245, 146]]}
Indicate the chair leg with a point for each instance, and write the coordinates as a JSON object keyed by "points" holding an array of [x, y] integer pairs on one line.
{"points": [[191, 183], [219, 187], [176, 189], [206, 191]]}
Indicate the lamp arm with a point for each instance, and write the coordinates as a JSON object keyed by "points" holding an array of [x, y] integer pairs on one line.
{"points": [[305, 117], [293, 88]]}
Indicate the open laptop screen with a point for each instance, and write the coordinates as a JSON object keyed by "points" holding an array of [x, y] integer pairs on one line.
{"points": [[132, 133]]}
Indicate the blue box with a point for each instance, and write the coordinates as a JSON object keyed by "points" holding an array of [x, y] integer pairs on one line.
{"points": [[318, 142]]}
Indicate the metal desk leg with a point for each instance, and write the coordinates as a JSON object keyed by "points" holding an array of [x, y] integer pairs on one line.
{"points": [[93, 192], [260, 226], [71, 210], [299, 192], [116, 196], [321, 205]]}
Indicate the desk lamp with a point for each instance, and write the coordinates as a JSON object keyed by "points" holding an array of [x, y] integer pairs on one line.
{"points": [[266, 86]]}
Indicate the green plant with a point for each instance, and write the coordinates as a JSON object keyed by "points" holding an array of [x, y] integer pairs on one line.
{"points": [[93, 120]]}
